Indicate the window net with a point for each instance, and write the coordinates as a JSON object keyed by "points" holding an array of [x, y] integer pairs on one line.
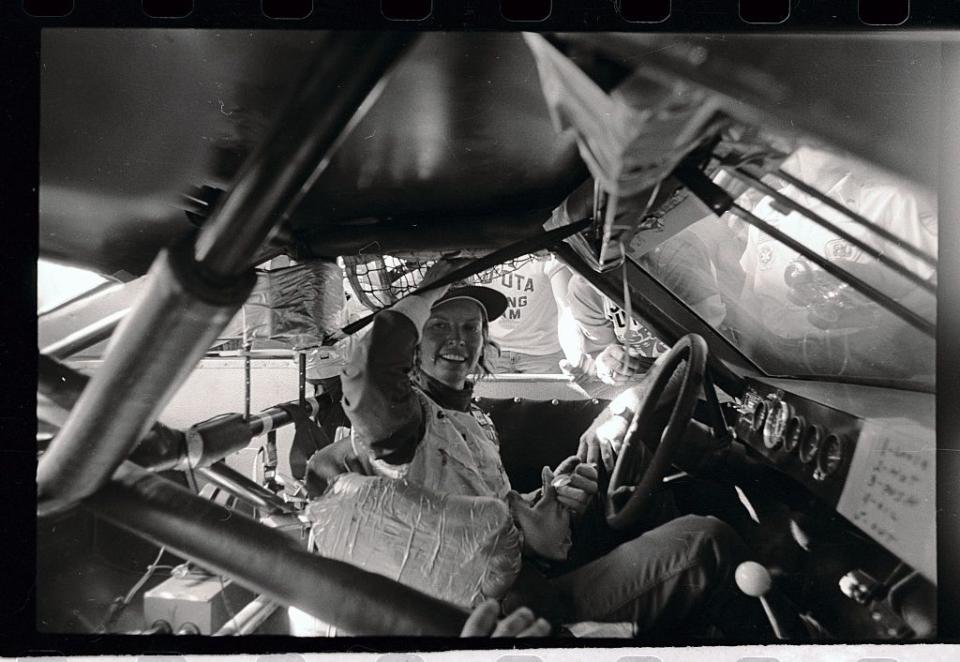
{"points": [[380, 280]]}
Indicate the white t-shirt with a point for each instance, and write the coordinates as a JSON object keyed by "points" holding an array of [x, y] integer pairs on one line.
{"points": [[529, 324], [600, 322], [767, 261]]}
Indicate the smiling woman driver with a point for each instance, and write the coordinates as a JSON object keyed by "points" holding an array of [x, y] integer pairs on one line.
{"points": [[407, 394]]}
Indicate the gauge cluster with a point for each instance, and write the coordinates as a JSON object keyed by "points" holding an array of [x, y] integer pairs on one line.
{"points": [[809, 441]]}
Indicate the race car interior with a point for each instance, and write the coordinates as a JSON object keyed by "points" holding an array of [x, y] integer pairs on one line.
{"points": [[229, 201]]}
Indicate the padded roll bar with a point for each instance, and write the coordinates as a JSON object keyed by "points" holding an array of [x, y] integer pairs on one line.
{"points": [[267, 561]]}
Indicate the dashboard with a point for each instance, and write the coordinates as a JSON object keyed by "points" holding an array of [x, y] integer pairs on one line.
{"points": [[867, 452], [810, 441]]}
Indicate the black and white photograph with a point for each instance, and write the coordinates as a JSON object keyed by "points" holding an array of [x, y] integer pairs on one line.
{"points": [[573, 335]]}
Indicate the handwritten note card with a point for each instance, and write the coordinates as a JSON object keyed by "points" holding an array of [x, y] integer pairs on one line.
{"points": [[890, 490]]}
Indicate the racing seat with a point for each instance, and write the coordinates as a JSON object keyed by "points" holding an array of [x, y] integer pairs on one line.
{"points": [[536, 433]]}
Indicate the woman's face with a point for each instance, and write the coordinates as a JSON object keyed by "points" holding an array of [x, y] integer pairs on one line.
{"points": [[452, 342]]}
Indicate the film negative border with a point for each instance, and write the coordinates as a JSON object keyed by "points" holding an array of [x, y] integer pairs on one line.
{"points": [[685, 15], [577, 15]]}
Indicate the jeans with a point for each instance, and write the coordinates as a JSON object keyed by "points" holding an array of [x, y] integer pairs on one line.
{"points": [[679, 574], [526, 363], [669, 580]]}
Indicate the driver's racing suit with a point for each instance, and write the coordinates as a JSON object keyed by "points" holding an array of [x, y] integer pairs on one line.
{"points": [[435, 436]]}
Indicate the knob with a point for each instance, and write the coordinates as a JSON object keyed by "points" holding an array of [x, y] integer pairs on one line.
{"points": [[859, 586], [753, 579]]}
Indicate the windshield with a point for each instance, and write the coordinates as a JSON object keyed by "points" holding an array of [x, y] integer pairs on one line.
{"points": [[787, 314]]}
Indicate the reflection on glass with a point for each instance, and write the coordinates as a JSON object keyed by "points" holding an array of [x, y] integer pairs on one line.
{"points": [[787, 314]]}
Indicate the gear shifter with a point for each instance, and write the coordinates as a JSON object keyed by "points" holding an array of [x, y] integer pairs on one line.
{"points": [[754, 580]]}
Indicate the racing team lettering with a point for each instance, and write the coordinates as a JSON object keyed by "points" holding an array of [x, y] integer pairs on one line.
{"points": [[641, 338], [519, 283]]}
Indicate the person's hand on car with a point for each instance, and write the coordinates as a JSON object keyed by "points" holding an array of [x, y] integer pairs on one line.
{"points": [[614, 365], [575, 483], [484, 621], [582, 372]]}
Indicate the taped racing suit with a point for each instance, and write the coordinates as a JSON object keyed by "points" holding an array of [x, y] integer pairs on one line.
{"points": [[424, 432]]}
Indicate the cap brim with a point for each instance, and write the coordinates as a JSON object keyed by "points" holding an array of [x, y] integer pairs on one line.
{"points": [[493, 303]]}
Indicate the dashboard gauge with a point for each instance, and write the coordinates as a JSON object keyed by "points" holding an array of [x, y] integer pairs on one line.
{"points": [[759, 415], [778, 415], [810, 443], [746, 410], [830, 457], [791, 437]]}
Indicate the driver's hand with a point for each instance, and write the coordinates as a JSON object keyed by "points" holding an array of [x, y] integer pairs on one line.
{"points": [[575, 483], [614, 365], [603, 441], [483, 622], [606, 435]]}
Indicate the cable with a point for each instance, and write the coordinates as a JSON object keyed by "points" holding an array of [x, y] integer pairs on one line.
{"points": [[191, 477], [630, 336], [121, 603]]}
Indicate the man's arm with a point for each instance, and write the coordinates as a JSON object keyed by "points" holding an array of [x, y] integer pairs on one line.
{"points": [[559, 275], [378, 397], [584, 329]]}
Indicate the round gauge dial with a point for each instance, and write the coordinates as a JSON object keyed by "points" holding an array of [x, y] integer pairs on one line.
{"points": [[810, 443], [778, 415], [830, 457], [791, 436], [759, 415]]}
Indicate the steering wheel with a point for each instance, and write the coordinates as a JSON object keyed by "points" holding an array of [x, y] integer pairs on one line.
{"points": [[692, 349]]}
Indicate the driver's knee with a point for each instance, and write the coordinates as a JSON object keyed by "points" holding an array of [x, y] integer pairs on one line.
{"points": [[717, 551], [715, 546]]}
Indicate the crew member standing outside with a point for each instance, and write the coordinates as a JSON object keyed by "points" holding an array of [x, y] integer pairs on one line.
{"points": [[600, 342], [527, 332]]}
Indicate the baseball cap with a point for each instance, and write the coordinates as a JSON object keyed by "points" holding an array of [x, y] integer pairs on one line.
{"points": [[492, 302]]}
